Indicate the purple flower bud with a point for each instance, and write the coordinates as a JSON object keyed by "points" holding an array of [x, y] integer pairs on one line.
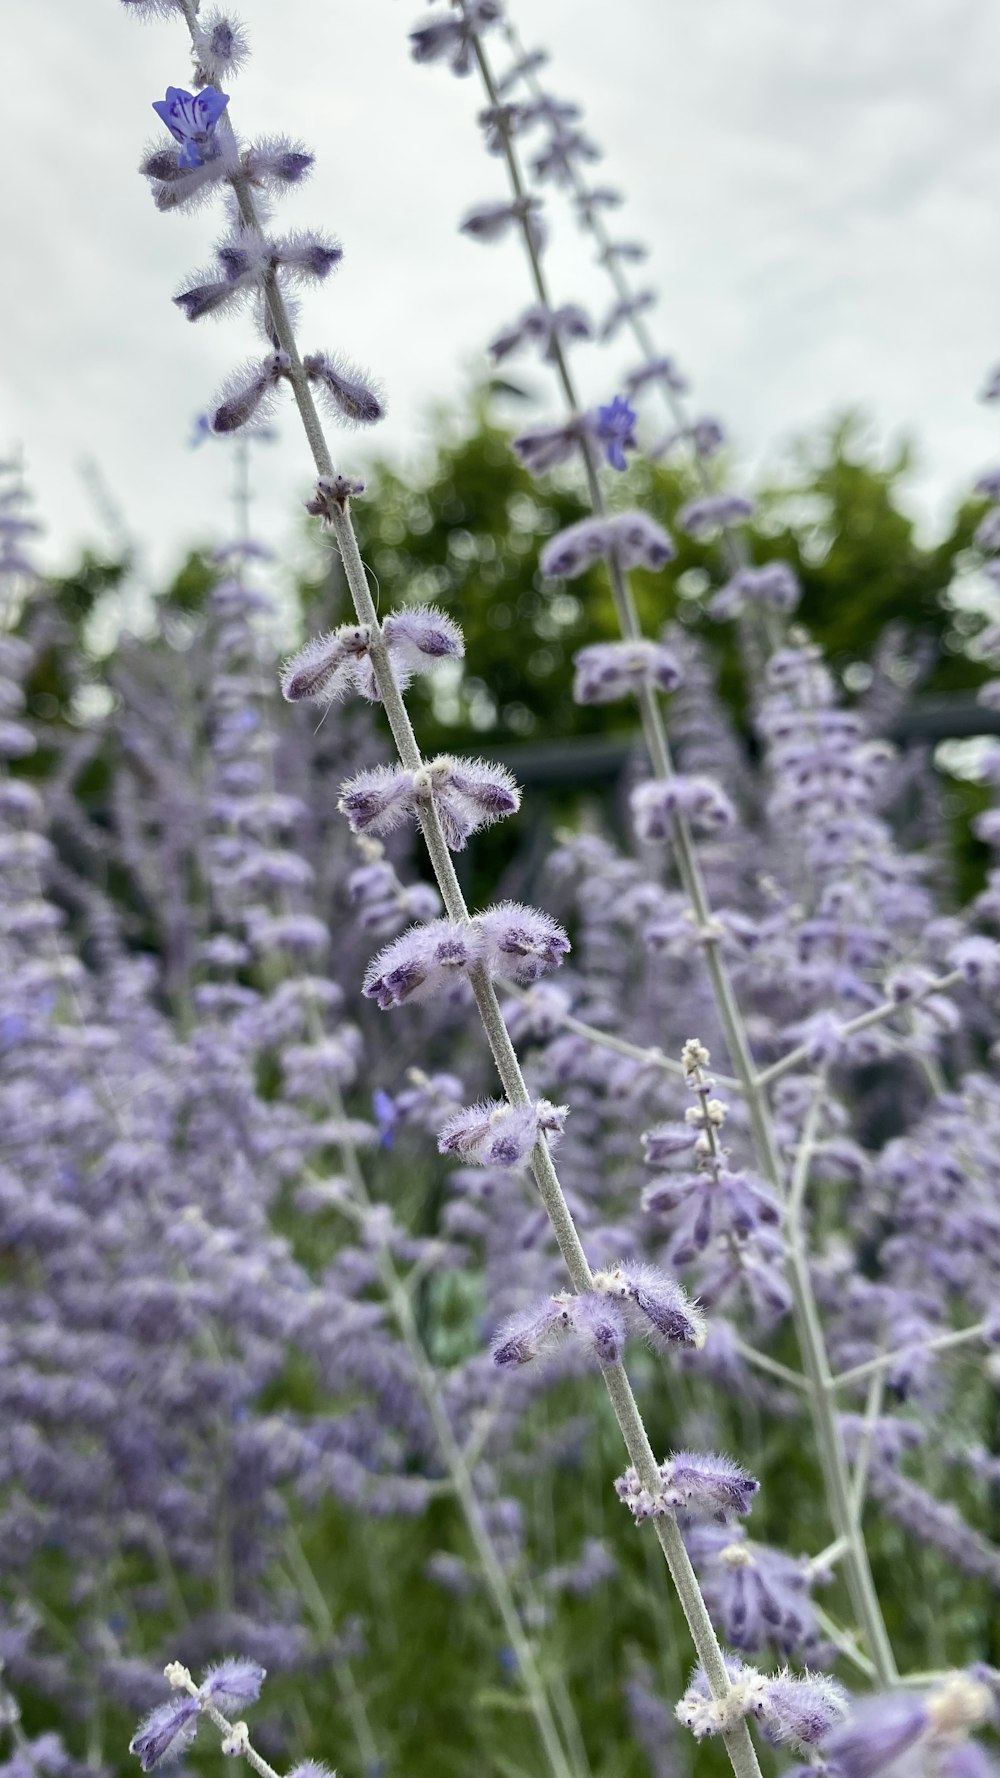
{"points": [[167, 1729], [978, 959], [696, 1483], [306, 254], [378, 800], [626, 310], [497, 1134], [453, 38], [616, 430], [349, 394], [490, 222], [667, 1313], [545, 447], [655, 370], [328, 666], [774, 586], [609, 670], [665, 1141], [560, 158], [702, 1483], [332, 495], [232, 1684], [547, 328], [220, 44], [657, 804], [599, 1324], [630, 538], [249, 393], [521, 943], [877, 1734], [191, 119], [525, 1334], [419, 635], [710, 512], [277, 161], [422, 962], [801, 1708]]}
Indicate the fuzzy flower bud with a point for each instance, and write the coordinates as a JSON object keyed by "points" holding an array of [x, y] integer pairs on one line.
{"points": [[497, 1134], [349, 394], [630, 538], [609, 670], [712, 512], [232, 1684], [166, 1730], [657, 804], [661, 1308], [698, 1484], [422, 962], [522, 943]]}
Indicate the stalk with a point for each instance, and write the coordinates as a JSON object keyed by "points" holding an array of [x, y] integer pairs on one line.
{"points": [[815, 1361]]}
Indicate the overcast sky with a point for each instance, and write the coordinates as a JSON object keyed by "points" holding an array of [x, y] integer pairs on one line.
{"points": [[818, 182]]}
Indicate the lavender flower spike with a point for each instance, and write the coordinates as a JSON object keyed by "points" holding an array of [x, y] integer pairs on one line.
{"points": [[191, 119]]}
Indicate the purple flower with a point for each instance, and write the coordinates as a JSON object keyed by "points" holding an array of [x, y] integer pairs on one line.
{"points": [[232, 1684], [490, 222], [422, 962], [800, 1708], [757, 1595], [698, 1483], [626, 310], [550, 329], [666, 1312], [630, 538], [525, 1334], [166, 1730], [545, 447], [497, 1134], [609, 670], [453, 39], [774, 586], [468, 794], [712, 512], [522, 943], [599, 1324], [349, 393], [191, 119], [657, 804], [655, 370], [616, 431], [877, 1734], [249, 393]]}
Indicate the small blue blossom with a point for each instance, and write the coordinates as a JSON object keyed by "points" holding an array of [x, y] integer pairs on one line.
{"points": [[191, 119], [386, 1116], [616, 430]]}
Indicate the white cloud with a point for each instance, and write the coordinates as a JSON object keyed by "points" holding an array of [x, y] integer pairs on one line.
{"points": [[818, 184]]}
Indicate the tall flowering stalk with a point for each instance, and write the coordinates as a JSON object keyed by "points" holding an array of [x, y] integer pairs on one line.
{"points": [[374, 658], [581, 436]]}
